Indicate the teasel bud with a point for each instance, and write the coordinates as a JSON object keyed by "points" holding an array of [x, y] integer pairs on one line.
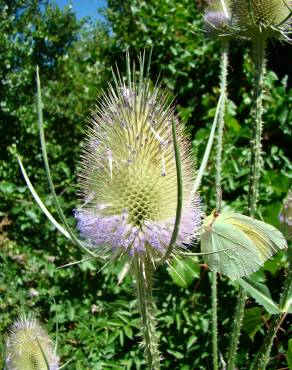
{"points": [[271, 18], [217, 18], [29, 346], [128, 180]]}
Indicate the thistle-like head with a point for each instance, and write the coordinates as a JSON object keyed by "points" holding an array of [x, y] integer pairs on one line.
{"points": [[217, 18], [128, 178], [29, 347], [272, 18], [285, 216]]}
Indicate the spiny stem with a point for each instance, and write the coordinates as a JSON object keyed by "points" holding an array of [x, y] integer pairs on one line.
{"points": [[259, 44], [255, 161], [236, 329], [143, 273], [263, 356], [214, 321], [223, 90]]}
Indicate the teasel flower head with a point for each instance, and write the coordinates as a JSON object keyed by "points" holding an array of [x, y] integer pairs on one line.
{"points": [[128, 181], [29, 347], [272, 18], [217, 18], [285, 215]]}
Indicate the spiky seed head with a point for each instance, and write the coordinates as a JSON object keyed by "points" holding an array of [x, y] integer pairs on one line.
{"points": [[27, 345], [272, 18], [128, 179], [217, 18], [285, 216]]}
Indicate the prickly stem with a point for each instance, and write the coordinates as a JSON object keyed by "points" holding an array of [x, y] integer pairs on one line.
{"points": [[239, 311], [143, 273], [223, 89], [256, 162], [214, 320], [263, 356], [259, 44]]}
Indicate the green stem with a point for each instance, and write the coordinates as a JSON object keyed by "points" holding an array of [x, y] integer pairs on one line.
{"points": [[214, 321], [255, 166], [263, 356], [223, 90], [239, 311], [143, 273], [259, 60]]}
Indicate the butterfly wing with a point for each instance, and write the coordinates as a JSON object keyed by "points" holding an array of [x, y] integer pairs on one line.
{"points": [[267, 239], [235, 254]]}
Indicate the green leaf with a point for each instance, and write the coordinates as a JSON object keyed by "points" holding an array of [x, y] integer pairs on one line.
{"points": [[184, 271], [176, 354], [253, 321], [260, 293], [241, 244], [128, 331], [71, 313], [192, 340]]}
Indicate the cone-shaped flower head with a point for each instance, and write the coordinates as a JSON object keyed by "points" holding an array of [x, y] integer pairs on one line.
{"points": [[285, 216], [217, 18], [29, 347], [128, 176], [269, 17]]}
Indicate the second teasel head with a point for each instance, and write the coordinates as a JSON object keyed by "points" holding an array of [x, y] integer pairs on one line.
{"points": [[29, 347], [217, 18], [270, 18]]}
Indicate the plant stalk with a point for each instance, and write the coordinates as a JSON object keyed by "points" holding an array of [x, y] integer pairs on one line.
{"points": [[214, 321], [223, 91], [143, 272], [256, 145], [239, 311], [259, 44], [263, 356]]}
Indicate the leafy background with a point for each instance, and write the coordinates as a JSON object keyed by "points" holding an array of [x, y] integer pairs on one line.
{"points": [[98, 322]]}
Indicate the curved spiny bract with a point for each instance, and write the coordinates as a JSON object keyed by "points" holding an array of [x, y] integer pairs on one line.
{"points": [[128, 173], [29, 347]]}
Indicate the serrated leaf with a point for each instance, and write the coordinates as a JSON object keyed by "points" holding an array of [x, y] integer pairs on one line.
{"points": [[260, 293], [241, 244], [184, 271]]}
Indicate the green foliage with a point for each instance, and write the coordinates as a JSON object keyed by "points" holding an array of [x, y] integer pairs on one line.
{"points": [[184, 271], [260, 292], [254, 320]]}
